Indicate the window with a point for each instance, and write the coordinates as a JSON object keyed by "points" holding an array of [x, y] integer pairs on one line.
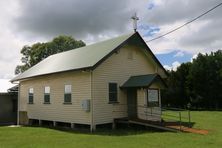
{"points": [[31, 97], [68, 94], [153, 97], [47, 95], [112, 92]]}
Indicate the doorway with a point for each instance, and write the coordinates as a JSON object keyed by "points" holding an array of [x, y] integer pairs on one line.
{"points": [[132, 103]]}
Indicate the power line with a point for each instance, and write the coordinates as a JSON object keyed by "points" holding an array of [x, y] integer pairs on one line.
{"points": [[185, 23]]}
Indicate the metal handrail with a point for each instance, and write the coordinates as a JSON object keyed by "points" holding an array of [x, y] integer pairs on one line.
{"points": [[150, 112]]}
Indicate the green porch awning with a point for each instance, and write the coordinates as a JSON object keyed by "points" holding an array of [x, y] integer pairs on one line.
{"points": [[143, 81]]}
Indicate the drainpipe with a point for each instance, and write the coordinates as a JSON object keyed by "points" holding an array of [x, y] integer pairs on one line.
{"points": [[91, 104], [18, 102]]}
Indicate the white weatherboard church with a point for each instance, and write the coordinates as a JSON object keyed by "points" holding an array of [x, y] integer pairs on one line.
{"points": [[93, 85]]}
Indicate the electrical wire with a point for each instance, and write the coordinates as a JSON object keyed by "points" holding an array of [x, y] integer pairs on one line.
{"points": [[185, 23]]}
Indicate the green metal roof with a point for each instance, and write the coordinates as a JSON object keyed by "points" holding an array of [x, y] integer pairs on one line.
{"points": [[79, 58], [142, 81]]}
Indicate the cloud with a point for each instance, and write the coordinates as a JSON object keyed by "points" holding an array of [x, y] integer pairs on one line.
{"points": [[179, 54], [81, 19], [5, 85], [9, 42], [173, 67], [26, 22], [93, 21], [203, 35], [194, 57]]}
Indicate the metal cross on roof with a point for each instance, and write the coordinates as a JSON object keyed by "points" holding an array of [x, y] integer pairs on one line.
{"points": [[135, 19]]}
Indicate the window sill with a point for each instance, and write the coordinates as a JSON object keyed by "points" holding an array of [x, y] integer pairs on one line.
{"points": [[46, 103], [114, 102], [67, 103]]}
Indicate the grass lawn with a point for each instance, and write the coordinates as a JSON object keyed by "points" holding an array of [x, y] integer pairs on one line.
{"points": [[44, 137]]}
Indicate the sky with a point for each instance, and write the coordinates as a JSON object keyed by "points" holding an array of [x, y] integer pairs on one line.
{"points": [[24, 22]]}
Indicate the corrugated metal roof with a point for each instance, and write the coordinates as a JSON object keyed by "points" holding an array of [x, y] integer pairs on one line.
{"points": [[142, 81], [79, 58]]}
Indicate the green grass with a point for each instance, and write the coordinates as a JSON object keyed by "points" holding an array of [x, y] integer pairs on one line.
{"points": [[26, 137]]}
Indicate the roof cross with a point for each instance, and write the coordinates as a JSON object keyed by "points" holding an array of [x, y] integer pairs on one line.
{"points": [[135, 19]]}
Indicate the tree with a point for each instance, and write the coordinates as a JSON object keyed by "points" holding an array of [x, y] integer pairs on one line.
{"points": [[176, 93], [206, 80], [198, 83], [32, 55]]}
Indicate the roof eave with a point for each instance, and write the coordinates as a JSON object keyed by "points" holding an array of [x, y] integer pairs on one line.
{"points": [[79, 69]]}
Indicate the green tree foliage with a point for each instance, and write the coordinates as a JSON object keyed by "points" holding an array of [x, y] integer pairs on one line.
{"points": [[39, 51], [177, 88], [198, 83]]}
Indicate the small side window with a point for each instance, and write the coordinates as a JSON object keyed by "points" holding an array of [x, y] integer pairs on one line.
{"points": [[47, 95], [68, 94], [112, 92], [31, 96]]}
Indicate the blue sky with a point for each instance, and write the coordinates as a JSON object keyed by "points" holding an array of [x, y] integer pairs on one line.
{"points": [[169, 58]]}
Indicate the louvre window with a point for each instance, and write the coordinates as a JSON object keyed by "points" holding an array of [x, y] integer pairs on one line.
{"points": [[31, 96], [47, 95], [68, 94], [112, 92]]}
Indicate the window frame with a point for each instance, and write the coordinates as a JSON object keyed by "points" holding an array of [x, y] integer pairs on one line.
{"points": [[47, 94], [67, 94], [113, 93], [152, 103], [31, 96]]}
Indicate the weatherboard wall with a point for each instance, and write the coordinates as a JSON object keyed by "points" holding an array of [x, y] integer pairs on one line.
{"points": [[126, 62], [57, 110], [144, 111]]}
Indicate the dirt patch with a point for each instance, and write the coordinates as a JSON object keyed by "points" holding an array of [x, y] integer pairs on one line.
{"points": [[190, 130]]}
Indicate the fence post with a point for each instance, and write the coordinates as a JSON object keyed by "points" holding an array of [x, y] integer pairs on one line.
{"points": [[180, 119], [189, 118]]}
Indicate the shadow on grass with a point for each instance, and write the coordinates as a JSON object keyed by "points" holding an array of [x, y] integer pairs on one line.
{"points": [[121, 130], [186, 124]]}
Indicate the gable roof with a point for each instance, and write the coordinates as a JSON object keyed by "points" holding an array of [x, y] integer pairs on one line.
{"points": [[142, 81], [80, 58]]}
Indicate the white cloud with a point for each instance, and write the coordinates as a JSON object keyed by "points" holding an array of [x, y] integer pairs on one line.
{"points": [[179, 54], [167, 67], [173, 67], [203, 35], [5, 85], [193, 57]]}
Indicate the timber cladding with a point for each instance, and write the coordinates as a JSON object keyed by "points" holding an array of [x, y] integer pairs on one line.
{"points": [[57, 110]]}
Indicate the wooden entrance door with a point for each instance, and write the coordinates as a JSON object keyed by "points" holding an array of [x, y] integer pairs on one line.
{"points": [[132, 103]]}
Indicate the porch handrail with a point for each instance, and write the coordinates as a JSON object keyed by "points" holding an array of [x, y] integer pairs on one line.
{"points": [[150, 111]]}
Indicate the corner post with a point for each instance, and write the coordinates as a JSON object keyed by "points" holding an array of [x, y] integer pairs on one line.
{"points": [[18, 104]]}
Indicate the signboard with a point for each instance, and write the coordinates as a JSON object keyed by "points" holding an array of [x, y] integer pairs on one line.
{"points": [[153, 95]]}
